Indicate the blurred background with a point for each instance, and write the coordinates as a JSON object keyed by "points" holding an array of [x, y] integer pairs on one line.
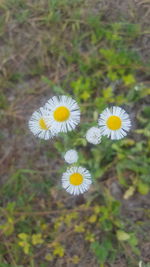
{"points": [[96, 51]]}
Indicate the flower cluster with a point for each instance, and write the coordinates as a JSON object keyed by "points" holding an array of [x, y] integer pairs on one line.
{"points": [[76, 180], [59, 114], [113, 122], [62, 114]]}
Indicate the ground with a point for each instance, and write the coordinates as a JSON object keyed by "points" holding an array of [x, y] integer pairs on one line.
{"points": [[98, 53]]}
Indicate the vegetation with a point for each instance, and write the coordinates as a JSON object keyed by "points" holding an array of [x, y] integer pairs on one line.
{"points": [[78, 48]]}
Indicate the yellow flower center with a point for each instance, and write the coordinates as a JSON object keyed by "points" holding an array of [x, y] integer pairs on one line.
{"points": [[114, 123], [42, 124], [61, 114], [76, 179]]}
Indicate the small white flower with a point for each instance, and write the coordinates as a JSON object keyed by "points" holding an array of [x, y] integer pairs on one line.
{"points": [[76, 180], [64, 113], [38, 124], [93, 135], [71, 156], [114, 123]]}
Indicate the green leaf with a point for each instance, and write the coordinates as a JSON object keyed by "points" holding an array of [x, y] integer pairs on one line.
{"points": [[122, 236], [102, 250], [129, 79], [37, 239], [23, 236], [108, 94], [129, 192], [143, 188]]}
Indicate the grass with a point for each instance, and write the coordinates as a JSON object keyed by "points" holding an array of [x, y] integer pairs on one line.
{"points": [[90, 51]]}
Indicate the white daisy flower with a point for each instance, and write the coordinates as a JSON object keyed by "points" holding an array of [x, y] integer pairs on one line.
{"points": [[71, 156], [114, 123], [93, 135], [38, 124], [64, 113], [76, 180]]}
